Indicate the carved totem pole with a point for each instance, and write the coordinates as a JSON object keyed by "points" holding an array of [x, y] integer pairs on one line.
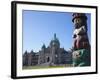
{"points": [[81, 46]]}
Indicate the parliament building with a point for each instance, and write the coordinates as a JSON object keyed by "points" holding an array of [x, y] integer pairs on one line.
{"points": [[48, 56]]}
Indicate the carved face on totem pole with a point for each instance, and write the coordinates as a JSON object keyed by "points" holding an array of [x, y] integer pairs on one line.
{"points": [[81, 46], [80, 32]]}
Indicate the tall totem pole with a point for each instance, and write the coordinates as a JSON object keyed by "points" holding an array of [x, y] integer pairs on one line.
{"points": [[81, 46]]}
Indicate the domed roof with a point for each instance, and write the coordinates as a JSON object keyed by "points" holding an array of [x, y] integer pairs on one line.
{"points": [[54, 40]]}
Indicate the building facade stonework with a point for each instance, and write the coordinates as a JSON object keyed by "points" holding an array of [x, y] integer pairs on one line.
{"points": [[48, 56]]}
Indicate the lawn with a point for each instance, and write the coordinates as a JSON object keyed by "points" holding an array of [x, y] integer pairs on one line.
{"points": [[45, 67]]}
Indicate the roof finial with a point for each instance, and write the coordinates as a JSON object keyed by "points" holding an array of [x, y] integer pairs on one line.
{"points": [[54, 35], [43, 46]]}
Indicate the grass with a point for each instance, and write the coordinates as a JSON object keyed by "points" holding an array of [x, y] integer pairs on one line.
{"points": [[46, 67]]}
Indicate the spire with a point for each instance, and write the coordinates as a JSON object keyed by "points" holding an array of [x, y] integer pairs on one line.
{"points": [[55, 36], [55, 41], [26, 52], [43, 46]]}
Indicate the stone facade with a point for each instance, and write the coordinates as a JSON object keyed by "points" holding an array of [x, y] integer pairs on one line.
{"points": [[48, 56]]}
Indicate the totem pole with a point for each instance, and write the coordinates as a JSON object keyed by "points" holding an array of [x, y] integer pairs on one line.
{"points": [[81, 46]]}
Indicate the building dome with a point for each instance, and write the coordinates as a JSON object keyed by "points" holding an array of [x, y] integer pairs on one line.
{"points": [[55, 41]]}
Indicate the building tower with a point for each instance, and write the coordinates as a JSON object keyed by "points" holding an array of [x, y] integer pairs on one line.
{"points": [[55, 45], [41, 58]]}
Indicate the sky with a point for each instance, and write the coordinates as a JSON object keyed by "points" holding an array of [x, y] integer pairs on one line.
{"points": [[39, 28]]}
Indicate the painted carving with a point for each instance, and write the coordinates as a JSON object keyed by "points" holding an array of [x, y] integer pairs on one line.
{"points": [[81, 46], [80, 32]]}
